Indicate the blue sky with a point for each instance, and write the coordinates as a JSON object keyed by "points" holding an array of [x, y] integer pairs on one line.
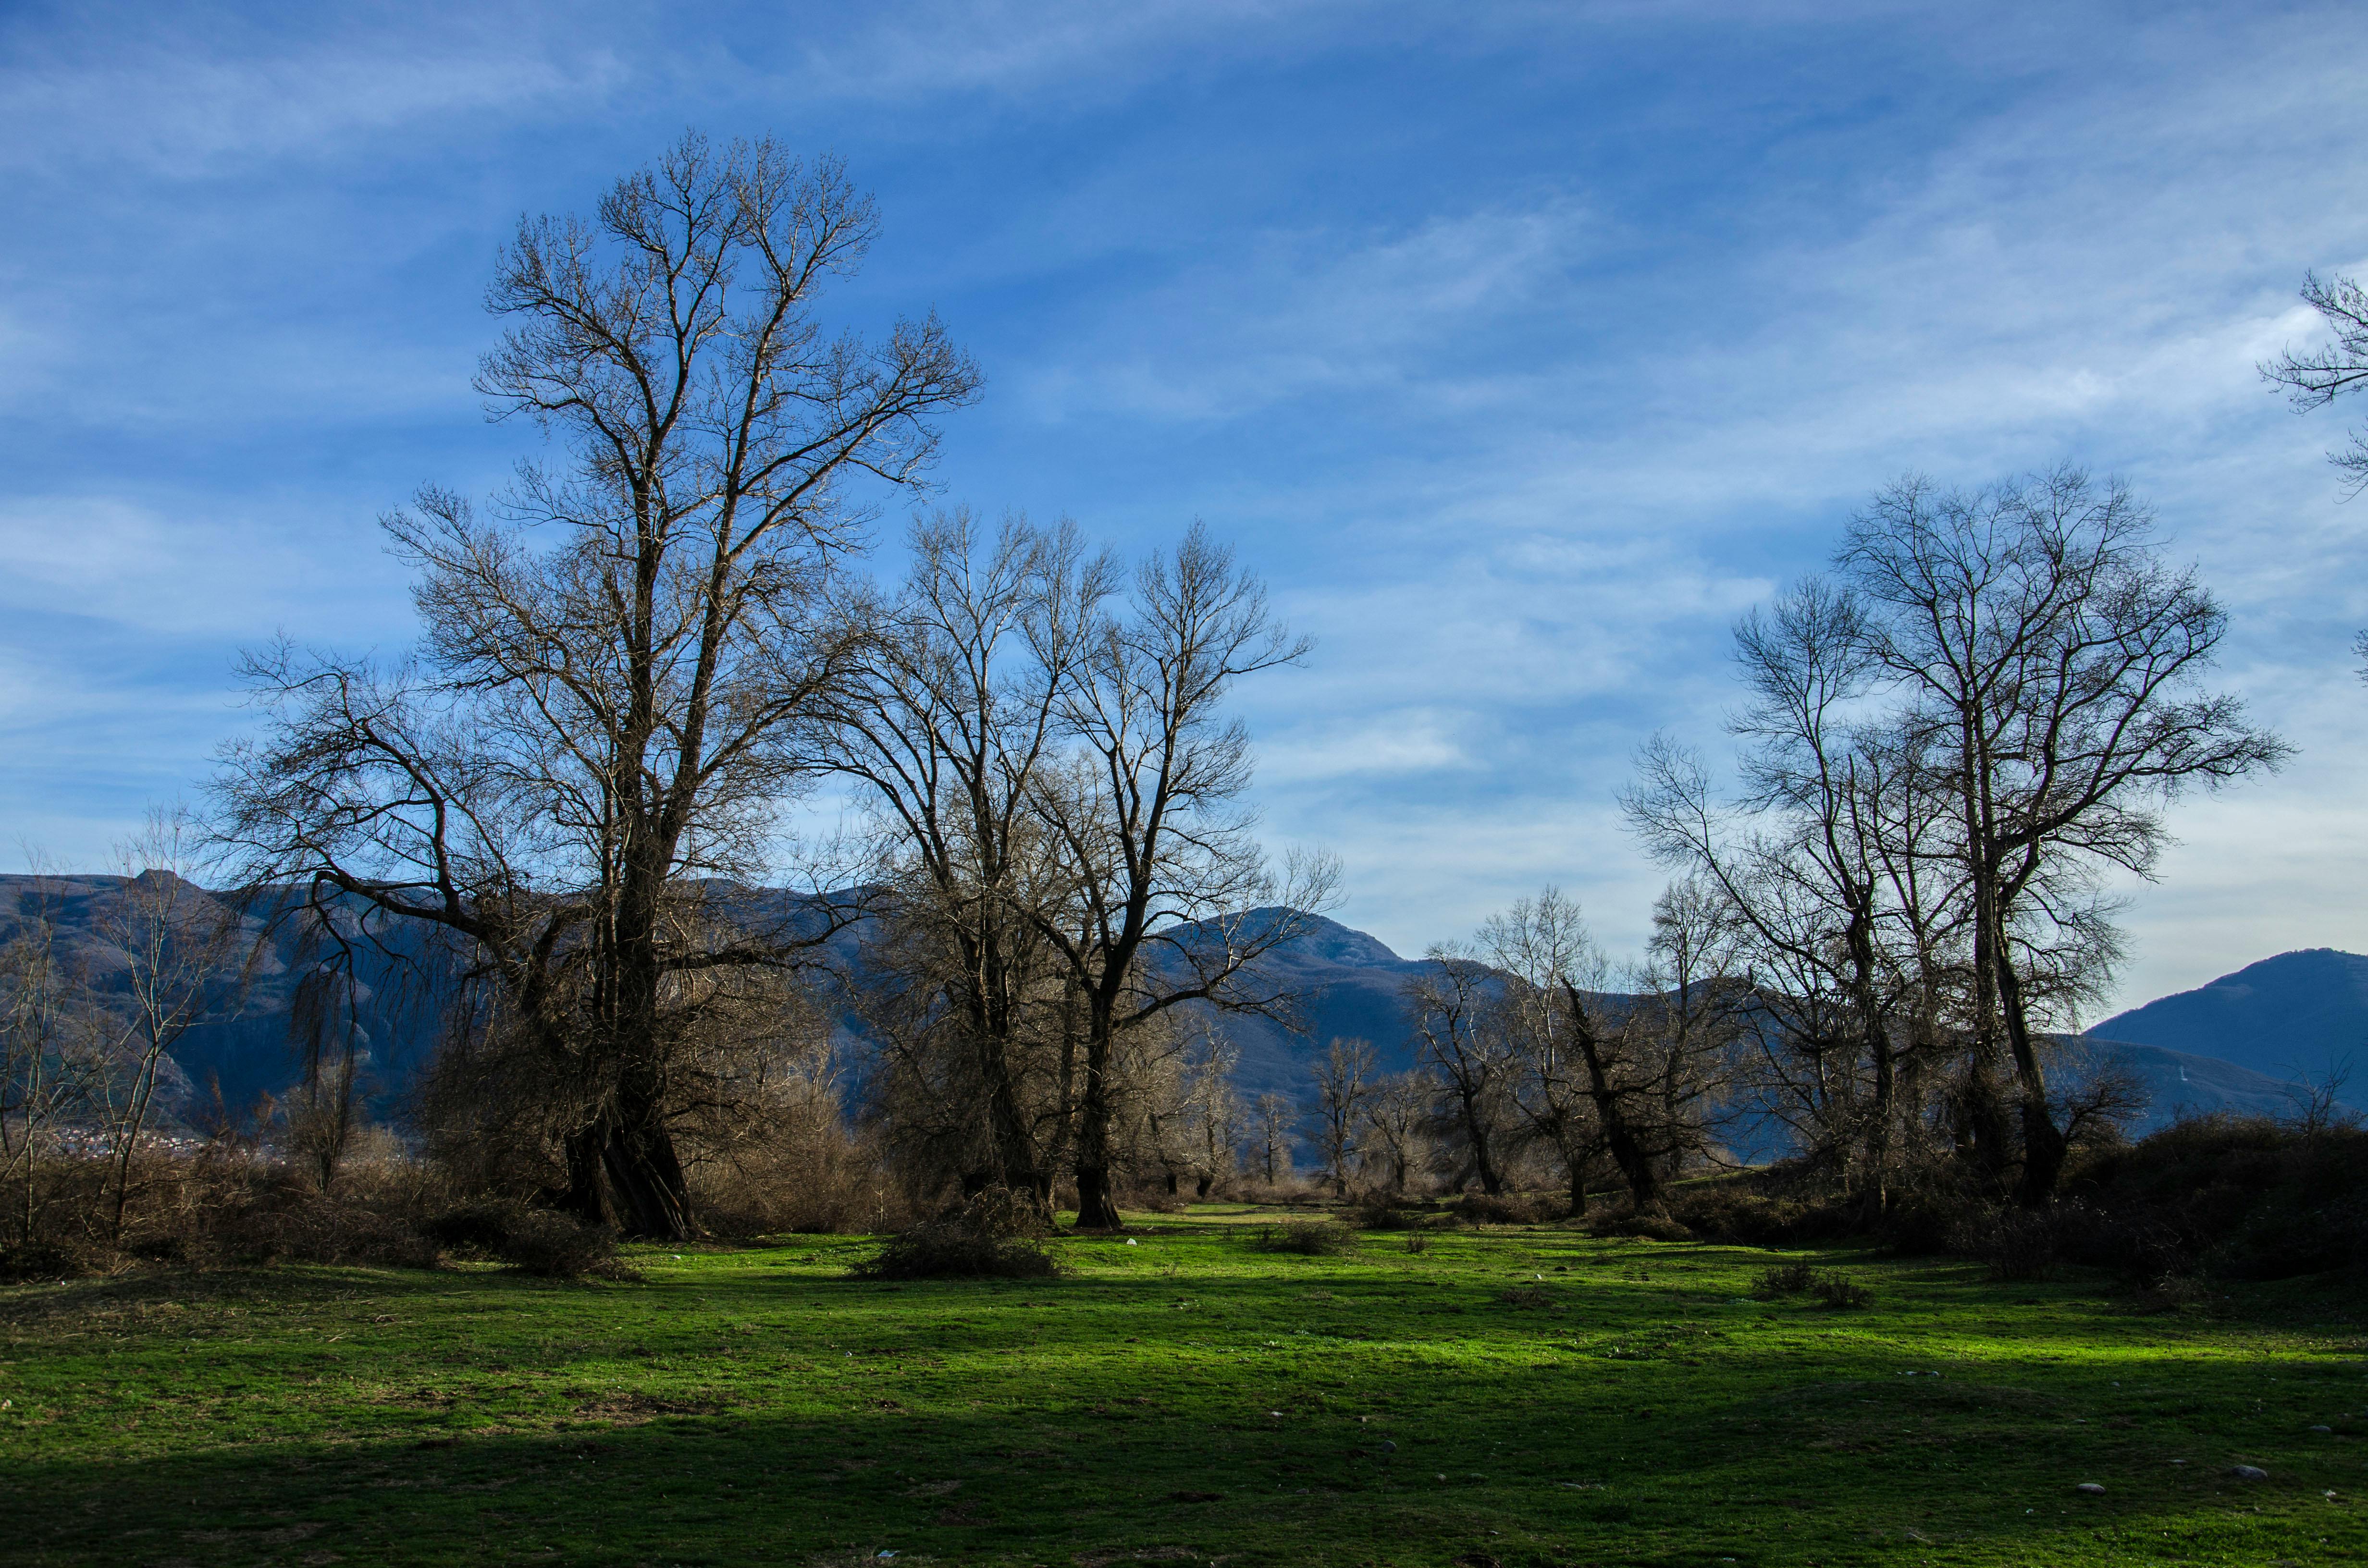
{"points": [[1521, 346]]}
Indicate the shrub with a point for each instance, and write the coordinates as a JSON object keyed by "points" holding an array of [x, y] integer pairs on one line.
{"points": [[46, 1259], [1842, 1294], [1375, 1211], [1732, 1212], [1506, 1208], [2021, 1244], [1652, 1227], [1417, 1242], [1524, 1296], [1313, 1238], [560, 1247], [2243, 1198], [995, 1234], [1785, 1279], [533, 1240], [1801, 1278]]}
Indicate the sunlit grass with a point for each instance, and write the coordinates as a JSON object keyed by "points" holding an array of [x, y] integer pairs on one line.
{"points": [[1531, 1396]]}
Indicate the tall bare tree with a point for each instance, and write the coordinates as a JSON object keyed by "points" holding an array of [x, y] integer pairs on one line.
{"points": [[174, 944], [1460, 1048], [47, 1066], [1173, 901], [1396, 1114], [1271, 1119], [1831, 873], [1535, 945], [1218, 1117], [619, 677], [954, 709], [2049, 661]]}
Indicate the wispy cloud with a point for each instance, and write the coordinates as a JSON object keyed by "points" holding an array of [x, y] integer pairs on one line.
{"points": [[209, 92]]}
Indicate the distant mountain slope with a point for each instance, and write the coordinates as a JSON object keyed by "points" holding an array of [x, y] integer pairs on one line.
{"points": [[1351, 987], [2296, 1015], [242, 1043], [2182, 1084]]}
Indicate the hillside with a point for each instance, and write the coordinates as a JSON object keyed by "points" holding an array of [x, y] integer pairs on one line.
{"points": [[2297, 1016], [243, 1045]]}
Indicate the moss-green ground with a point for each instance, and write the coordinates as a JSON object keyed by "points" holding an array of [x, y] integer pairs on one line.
{"points": [[1185, 1397]]}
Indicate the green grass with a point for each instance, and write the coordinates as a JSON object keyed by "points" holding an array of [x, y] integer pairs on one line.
{"points": [[1632, 1405]]}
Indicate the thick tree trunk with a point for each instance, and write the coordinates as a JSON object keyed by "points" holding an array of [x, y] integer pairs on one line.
{"points": [[2044, 1144], [1096, 1197], [1484, 1158], [653, 1200], [1882, 1114], [587, 1193]]}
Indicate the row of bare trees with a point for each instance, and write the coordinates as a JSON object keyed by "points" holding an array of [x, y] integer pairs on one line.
{"points": [[1949, 744], [566, 806], [1533, 1053], [576, 784], [1877, 948]]}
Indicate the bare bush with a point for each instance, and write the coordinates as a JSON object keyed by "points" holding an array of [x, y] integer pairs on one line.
{"points": [[997, 1234], [1309, 1238]]}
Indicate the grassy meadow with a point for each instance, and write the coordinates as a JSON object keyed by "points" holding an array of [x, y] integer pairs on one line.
{"points": [[1510, 1395]]}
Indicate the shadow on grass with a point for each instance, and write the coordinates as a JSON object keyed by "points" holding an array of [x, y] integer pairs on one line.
{"points": [[1532, 1398]]}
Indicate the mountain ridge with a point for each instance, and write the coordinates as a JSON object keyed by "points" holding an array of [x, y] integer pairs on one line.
{"points": [[2305, 1005]]}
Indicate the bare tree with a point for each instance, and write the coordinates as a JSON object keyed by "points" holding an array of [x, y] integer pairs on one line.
{"points": [[2318, 378], [621, 668], [1172, 899], [1272, 1119], [173, 941], [1830, 873], [46, 1068], [2048, 660], [1535, 945], [953, 707], [1466, 1057], [1344, 1084], [1397, 1112], [1216, 1110]]}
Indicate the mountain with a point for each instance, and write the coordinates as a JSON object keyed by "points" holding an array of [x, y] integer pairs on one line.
{"points": [[1350, 986], [2234, 1046], [243, 1044], [2297, 1016]]}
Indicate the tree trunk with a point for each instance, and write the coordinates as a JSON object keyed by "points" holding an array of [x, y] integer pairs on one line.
{"points": [[588, 1197], [1097, 1200], [1484, 1159], [1628, 1151], [2044, 1144], [653, 1198]]}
